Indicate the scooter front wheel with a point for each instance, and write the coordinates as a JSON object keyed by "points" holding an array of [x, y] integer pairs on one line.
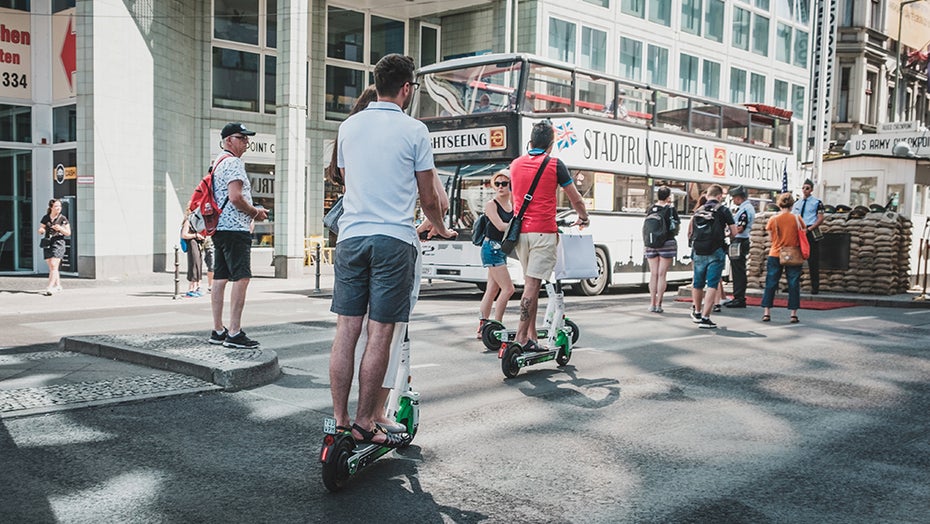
{"points": [[509, 360], [336, 466], [576, 331], [489, 335], [563, 356]]}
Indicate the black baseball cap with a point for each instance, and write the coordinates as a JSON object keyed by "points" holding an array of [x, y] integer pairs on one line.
{"points": [[235, 127], [738, 191]]}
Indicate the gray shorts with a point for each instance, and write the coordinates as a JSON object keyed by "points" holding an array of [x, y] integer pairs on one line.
{"points": [[374, 274]]}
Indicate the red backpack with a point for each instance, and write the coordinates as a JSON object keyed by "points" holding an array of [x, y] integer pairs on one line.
{"points": [[205, 214]]}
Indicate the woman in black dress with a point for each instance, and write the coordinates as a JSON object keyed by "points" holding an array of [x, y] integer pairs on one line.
{"points": [[53, 229]]}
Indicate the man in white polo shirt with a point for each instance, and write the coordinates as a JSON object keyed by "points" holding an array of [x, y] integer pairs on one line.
{"points": [[387, 160]]}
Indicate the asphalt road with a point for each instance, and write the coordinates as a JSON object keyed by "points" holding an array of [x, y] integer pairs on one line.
{"points": [[653, 420]]}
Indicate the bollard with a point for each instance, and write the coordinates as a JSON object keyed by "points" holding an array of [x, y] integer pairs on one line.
{"points": [[317, 272], [177, 273]]}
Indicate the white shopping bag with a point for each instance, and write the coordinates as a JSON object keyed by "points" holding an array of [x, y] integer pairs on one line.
{"points": [[576, 259]]}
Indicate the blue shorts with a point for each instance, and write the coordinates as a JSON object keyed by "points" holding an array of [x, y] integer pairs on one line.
{"points": [[374, 274], [491, 254], [708, 269]]}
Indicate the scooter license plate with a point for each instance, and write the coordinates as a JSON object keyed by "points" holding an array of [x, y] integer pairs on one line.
{"points": [[329, 426]]}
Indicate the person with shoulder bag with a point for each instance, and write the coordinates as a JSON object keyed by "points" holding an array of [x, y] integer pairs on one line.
{"points": [[53, 228], [194, 243], [707, 232], [784, 255], [499, 212], [739, 246]]}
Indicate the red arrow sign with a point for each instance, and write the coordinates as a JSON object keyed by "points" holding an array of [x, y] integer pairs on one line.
{"points": [[69, 54]]}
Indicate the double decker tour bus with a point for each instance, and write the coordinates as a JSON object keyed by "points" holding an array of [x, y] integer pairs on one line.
{"points": [[619, 139]]}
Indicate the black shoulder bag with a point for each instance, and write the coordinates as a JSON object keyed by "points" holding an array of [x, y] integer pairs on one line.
{"points": [[513, 229]]}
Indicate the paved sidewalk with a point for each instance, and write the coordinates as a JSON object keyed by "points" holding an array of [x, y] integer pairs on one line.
{"points": [[95, 370]]}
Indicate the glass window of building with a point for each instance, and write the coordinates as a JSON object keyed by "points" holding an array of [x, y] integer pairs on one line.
{"points": [[688, 74], [762, 4], [741, 18], [235, 79], [58, 5], [657, 66], [64, 124], [236, 21], [871, 101], [797, 101], [387, 36], [429, 45], [16, 208], [593, 49], [876, 18], [270, 88], [713, 20], [711, 79], [800, 48], [784, 9], [19, 5], [737, 85], [600, 3], [562, 40], [345, 34], [783, 43], [691, 15], [271, 23], [631, 59], [633, 7], [760, 35], [343, 86], [15, 123], [660, 12], [757, 88], [802, 13], [781, 94]]}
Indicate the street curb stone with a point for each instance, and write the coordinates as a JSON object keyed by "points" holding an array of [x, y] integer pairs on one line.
{"points": [[231, 369]]}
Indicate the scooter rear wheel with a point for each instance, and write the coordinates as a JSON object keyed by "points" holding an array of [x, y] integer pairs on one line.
{"points": [[336, 468], [562, 357], [489, 335], [509, 360]]}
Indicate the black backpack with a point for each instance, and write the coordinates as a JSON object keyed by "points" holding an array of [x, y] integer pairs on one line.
{"points": [[707, 230], [656, 227], [479, 230]]}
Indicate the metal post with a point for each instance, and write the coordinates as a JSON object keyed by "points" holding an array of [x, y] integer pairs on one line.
{"points": [[177, 274], [317, 272]]}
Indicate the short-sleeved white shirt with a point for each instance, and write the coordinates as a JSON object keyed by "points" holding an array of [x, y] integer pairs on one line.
{"points": [[381, 149], [232, 168]]}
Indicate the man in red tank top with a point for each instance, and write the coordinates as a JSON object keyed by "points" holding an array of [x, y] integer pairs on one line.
{"points": [[536, 247]]}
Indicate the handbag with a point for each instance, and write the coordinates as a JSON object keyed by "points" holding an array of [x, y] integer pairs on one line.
{"points": [[479, 230], [790, 256], [802, 239], [45, 242], [516, 223], [575, 257], [331, 218]]}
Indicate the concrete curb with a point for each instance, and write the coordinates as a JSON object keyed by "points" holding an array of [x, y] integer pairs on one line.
{"points": [[232, 370]]}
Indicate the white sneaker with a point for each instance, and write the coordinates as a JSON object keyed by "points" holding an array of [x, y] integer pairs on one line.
{"points": [[49, 291]]}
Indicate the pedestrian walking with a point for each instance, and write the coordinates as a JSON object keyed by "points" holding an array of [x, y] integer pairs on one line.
{"points": [[783, 230], [386, 161], [53, 228], [660, 258], [739, 246], [233, 240], [193, 242], [707, 232], [499, 289]]}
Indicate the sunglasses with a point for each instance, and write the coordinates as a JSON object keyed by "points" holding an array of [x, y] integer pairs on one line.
{"points": [[501, 184]]}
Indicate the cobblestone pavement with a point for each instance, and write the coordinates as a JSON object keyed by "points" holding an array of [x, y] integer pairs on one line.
{"points": [[33, 367]]}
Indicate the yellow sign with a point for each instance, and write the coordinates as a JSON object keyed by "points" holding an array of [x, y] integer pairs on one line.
{"points": [[62, 173]]}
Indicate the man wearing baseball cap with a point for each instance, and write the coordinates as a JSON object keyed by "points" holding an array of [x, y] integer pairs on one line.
{"points": [[739, 246], [233, 239]]}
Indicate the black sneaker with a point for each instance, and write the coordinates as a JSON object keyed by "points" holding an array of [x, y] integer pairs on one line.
{"points": [[239, 340], [218, 338], [717, 308], [736, 304], [695, 316], [707, 323]]}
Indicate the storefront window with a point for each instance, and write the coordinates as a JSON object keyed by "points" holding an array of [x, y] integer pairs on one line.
{"points": [[261, 177], [345, 37], [236, 20], [15, 123], [64, 124], [235, 79], [16, 231]]}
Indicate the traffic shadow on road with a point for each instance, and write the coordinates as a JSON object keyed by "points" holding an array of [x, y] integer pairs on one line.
{"points": [[564, 385]]}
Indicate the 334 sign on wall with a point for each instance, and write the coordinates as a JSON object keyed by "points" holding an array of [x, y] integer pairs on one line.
{"points": [[15, 54]]}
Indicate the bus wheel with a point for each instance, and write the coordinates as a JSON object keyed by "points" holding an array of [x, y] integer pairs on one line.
{"points": [[596, 286]]}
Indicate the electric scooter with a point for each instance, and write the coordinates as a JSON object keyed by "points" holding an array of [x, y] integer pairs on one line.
{"points": [[560, 335], [342, 457], [493, 333]]}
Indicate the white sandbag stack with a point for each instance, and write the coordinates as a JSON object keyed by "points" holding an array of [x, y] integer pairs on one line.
{"points": [[879, 254]]}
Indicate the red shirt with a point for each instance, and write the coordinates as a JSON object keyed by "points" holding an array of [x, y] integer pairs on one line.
{"points": [[540, 215]]}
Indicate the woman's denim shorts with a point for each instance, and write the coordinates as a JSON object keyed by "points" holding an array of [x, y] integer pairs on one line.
{"points": [[491, 254]]}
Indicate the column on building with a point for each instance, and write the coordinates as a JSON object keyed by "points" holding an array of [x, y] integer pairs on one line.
{"points": [[291, 139]]}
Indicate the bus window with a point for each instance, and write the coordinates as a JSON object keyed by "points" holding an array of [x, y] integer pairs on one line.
{"points": [[672, 111], [761, 129], [475, 89], [593, 95], [679, 195], [705, 119], [549, 90], [473, 193], [735, 124], [783, 138]]}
